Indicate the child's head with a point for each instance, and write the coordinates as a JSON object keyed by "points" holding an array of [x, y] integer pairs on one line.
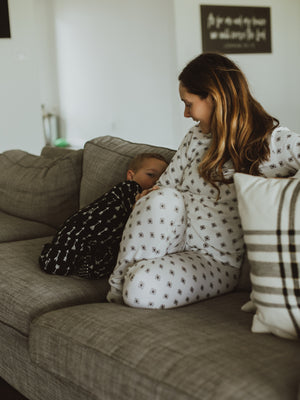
{"points": [[146, 168]]}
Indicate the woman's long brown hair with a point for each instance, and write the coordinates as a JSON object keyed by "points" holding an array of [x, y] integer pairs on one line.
{"points": [[240, 127]]}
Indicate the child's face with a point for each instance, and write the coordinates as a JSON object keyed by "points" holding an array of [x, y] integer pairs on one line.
{"points": [[149, 172]]}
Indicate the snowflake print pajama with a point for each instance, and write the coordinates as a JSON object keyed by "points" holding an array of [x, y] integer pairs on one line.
{"points": [[158, 271], [181, 245]]}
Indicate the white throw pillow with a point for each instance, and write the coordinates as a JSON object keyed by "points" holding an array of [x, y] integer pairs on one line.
{"points": [[270, 215]]}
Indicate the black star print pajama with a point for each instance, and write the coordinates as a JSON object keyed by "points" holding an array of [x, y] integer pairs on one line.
{"points": [[180, 244], [87, 244]]}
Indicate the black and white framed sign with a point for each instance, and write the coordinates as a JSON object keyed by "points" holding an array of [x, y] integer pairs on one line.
{"points": [[234, 29], [4, 20]]}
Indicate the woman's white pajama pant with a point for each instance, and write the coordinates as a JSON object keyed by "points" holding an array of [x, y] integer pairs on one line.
{"points": [[156, 268]]}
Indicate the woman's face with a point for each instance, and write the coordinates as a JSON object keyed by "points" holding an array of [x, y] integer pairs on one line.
{"points": [[197, 108]]}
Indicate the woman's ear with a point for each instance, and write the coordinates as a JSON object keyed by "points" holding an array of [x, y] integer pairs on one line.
{"points": [[130, 175]]}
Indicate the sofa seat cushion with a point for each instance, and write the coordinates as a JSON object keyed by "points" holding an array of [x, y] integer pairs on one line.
{"points": [[105, 162], [15, 228], [26, 291], [202, 351]]}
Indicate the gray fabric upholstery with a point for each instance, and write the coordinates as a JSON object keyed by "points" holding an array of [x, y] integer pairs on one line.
{"points": [[244, 282], [60, 340], [105, 163], [56, 152], [203, 351], [19, 371], [27, 292], [39, 188], [15, 228]]}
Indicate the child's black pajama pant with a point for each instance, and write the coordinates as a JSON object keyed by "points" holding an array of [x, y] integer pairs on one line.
{"points": [[87, 243]]}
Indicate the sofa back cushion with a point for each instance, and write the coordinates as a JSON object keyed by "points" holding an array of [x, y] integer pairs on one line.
{"points": [[105, 162], [57, 152], [40, 188]]}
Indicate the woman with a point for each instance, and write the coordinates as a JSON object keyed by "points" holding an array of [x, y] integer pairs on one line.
{"points": [[183, 242]]}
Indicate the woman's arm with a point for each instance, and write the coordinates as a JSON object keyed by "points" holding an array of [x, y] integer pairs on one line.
{"points": [[284, 154]]}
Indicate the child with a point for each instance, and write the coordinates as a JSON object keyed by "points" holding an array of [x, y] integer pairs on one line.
{"points": [[87, 243]]}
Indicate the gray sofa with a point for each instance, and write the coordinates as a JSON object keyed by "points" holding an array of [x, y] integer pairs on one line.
{"points": [[60, 339]]}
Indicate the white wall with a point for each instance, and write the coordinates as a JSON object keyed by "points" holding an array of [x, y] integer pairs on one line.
{"points": [[116, 69], [20, 115], [46, 55], [111, 66], [274, 77]]}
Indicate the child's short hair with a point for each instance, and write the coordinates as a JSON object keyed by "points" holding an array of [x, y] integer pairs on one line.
{"points": [[137, 161]]}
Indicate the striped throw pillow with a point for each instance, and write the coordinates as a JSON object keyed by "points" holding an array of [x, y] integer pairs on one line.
{"points": [[270, 215]]}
